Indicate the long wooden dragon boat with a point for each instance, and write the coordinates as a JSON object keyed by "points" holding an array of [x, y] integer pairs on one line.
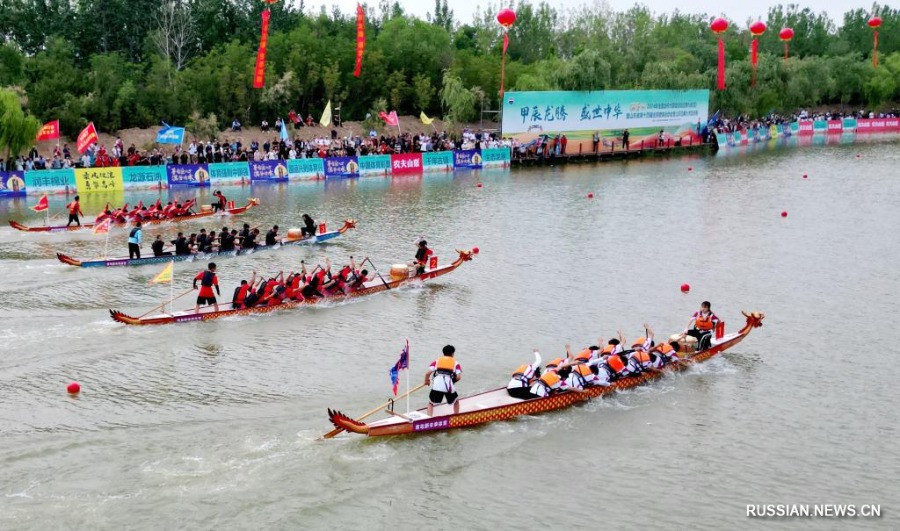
{"points": [[120, 262], [497, 405], [63, 228], [376, 285]]}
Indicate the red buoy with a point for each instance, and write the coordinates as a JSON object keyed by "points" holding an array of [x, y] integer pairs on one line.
{"points": [[784, 213], [74, 388], [590, 195], [690, 168], [479, 185], [685, 288], [804, 176], [475, 250]]}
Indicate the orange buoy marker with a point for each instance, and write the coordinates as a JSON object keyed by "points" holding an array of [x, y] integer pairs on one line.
{"points": [[685, 288], [479, 185], [590, 195], [475, 250], [784, 213], [74, 388]]}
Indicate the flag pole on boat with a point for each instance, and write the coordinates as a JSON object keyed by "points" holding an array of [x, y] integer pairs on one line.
{"points": [[408, 374]]}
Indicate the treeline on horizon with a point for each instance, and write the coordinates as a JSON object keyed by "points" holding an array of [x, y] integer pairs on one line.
{"points": [[134, 63]]}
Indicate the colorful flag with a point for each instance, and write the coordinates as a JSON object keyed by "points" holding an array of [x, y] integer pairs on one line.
{"points": [[50, 131], [425, 119], [164, 276], [86, 137], [360, 39], [259, 72], [505, 42], [42, 205], [103, 226], [326, 116], [390, 118], [284, 132], [402, 363], [170, 135]]}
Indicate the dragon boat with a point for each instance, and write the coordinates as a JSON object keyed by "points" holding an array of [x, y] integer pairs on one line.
{"points": [[378, 284], [497, 405], [203, 214], [287, 242]]}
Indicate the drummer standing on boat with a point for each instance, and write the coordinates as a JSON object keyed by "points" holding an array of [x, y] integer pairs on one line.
{"points": [[207, 279], [422, 254], [74, 211], [442, 374], [134, 242]]}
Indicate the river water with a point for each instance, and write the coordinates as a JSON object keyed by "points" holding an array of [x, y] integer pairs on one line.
{"points": [[215, 425]]}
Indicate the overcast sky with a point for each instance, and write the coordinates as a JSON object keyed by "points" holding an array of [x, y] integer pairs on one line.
{"points": [[736, 10]]}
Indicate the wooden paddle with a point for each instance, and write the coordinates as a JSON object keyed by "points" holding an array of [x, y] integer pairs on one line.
{"points": [[375, 269], [166, 302], [336, 431]]}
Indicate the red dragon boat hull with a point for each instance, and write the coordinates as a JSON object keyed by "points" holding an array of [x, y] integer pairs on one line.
{"points": [[478, 409], [62, 228], [374, 286]]}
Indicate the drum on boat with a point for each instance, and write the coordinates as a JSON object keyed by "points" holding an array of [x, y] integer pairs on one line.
{"points": [[294, 234], [205, 208], [400, 271]]}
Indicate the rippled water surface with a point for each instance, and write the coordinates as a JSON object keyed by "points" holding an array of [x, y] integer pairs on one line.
{"points": [[214, 425]]}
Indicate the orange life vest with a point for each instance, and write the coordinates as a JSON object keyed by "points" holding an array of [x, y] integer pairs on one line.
{"points": [[641, 357], [520, 371], [549, 379], [608, 349], [666, 349], [704, 323], [445, 364], [582, 370], [554, 362], [639, 342], [585, 355], [616, 364]]}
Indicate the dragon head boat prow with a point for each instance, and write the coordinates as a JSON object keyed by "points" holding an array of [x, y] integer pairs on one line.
{"points": [[345, 423], [754, 319]]}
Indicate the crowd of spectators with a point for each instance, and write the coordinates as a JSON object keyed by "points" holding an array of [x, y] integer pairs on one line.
{"points": [[744, 122]]}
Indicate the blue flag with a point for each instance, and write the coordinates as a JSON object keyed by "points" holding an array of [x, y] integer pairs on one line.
{"points": [[284, 133], [170, 135], [402, 363]]}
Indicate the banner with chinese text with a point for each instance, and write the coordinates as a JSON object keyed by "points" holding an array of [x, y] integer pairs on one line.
{"points": [[12, 183], [341, 167], [98, 180], [188, 175], [144, 177], [228, 172], [406, 163]]}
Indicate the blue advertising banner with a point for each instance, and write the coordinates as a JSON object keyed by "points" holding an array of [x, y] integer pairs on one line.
{"points": [[298, 168], [849, 124], [40, 181], [12, 183], [468, 159], [188, 175], [341, 167], [228, 172], [269, 170], [495, 157], [375, 164], [437, 160], [144, 176]]}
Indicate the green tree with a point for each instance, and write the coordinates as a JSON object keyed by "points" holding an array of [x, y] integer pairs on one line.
{"points": [[423, 92], [458, 101], [17, 128]]}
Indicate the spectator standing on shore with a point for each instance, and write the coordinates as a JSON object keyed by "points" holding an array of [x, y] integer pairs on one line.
{"points": [[626, 144]]}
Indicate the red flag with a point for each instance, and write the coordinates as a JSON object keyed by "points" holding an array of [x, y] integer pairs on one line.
{"points": [[360, 38], [720, 71], [505, 42], [390, 119], [50, 131], [86, 137], [259, 73], [103, 226], [42, 205]]}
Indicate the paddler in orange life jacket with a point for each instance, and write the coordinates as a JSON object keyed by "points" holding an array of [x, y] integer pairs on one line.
{"points": [[422, 255], [74, 211], [207, 280], [642, 354], [443, 373], [701, 326], [240, 292], [523, 377]]}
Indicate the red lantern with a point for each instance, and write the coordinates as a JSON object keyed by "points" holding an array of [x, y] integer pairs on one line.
{"points": [[719, 26], [786, 34], [875, 23], [506, 18], [756, 29]]}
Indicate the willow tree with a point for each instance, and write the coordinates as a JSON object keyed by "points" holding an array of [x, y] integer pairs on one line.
{"points": [[17, 129]]}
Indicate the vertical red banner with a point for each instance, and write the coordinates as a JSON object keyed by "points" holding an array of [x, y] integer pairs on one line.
{"points": [[360, 39], [754, 60], [875, 51], [259, 74], [720, 74]]}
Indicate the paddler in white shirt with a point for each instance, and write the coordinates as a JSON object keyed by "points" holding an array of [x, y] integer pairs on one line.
{"points": [[523, 377], [442, 374]]}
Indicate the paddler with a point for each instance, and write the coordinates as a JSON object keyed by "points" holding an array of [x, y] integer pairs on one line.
{"points": [[134, 242], [422, 254], [74, 211], [701, 326], [240, 292], [272, 236], [157, 247], [523, 377], [442, 374], [207, 279]]}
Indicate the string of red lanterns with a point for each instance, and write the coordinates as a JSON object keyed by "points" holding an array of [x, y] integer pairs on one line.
{"points": [[756, 29], [720, 26], [506, 18], [875, 23], [786, 34]]}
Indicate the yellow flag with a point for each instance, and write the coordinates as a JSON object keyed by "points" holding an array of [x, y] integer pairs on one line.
{"points": [[326, 116], [425, 119], [164, 276]]}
